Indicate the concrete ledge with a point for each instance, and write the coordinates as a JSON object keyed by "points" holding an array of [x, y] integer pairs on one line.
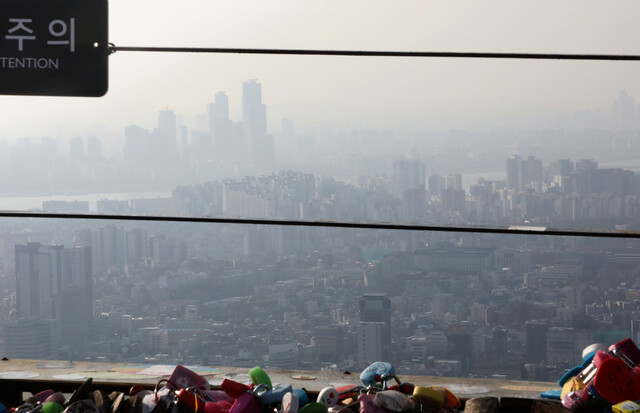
{"points": [[18, 376]]}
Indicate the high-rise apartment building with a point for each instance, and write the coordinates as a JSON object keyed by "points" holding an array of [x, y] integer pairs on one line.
{"points": [[254, 112], [38, 280], [167, 135], [409, 174], [76, 296], [436, 184], [374, 329], [76, 150], [55, 283], [454, 182], [111, 247], [221, 127], [410, 182], [329, 343], [559, 167], [536, 341], [624, 111], [524, 173], [30, 338], [94, 148], [254, 123], [137, 145]]}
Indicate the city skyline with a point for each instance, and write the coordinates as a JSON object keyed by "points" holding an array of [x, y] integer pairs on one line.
{"points": [[453, 305], [622, 114], [443, 304], [409, 93], [429, 142]]}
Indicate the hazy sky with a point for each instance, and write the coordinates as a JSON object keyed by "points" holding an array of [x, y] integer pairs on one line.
{"points": [[370, 92]]}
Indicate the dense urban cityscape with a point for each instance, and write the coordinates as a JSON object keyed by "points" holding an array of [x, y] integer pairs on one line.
{"points": [[445, 303]]}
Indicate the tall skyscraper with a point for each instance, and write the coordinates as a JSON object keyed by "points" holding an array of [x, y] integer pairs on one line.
{"points": [[409, 174], [624, 112], [524, 172], [38, 280], [410, 182], [94, 148], [137, 244], [254, 124], [459, 346], [76, 295], [559, 167], [374, 329], [76, 150], [254, 112], [454, 182], [536, 341], [54, 283], [167, 135], [436, 184], [111, 247], [137, 145], [221, 127]]}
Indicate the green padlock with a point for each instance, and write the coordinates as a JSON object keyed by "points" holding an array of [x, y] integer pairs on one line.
{"points": [[52, 407], [259, 376], [314, 407]]}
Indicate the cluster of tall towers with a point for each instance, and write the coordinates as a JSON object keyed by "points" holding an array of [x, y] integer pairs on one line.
{"points": [[248, 140], [223, 141]]}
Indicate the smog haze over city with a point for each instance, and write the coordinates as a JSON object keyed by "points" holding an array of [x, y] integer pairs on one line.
{"points": [[434, 142]]}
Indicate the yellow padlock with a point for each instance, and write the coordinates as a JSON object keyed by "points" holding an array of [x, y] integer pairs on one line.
{"points": [[429, 397], [626, 407]]}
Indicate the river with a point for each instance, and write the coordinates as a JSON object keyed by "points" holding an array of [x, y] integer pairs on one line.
{"points": [[26, 203]]}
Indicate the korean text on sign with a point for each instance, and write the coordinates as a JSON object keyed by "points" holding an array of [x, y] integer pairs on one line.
{"points": [[61, 33]]}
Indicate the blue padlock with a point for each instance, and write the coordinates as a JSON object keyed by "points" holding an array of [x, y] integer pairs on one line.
{"points": [[269, 397], [303, 398], [372, 374]]}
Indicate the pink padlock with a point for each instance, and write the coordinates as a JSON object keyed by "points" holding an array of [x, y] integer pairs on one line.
{"points": [[246, 403], [217, 407], [368, 404], [42, 396]]}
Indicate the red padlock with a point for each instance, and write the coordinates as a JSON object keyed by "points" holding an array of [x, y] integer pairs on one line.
{"points": [[217, 407], [234, 388], [191, 400], [615, 382]]}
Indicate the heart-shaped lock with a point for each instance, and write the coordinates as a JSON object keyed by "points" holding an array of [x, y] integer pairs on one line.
{"points": [[615, 382]]}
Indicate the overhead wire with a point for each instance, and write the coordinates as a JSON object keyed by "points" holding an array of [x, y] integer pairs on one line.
{"points": [[513, 230], [373, 53]]}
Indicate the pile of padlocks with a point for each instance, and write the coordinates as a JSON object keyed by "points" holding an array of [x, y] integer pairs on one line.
{"points": [[608, 379], [187, 392]]}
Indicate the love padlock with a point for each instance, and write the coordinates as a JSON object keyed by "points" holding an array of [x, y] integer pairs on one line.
{"points": [[328, 396], [290, 404], [373, 373], [269, 397], [259, 376]]}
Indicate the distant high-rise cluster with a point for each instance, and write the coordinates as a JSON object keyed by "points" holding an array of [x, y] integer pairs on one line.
{"points": [[113, 248], [221, 145]]}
